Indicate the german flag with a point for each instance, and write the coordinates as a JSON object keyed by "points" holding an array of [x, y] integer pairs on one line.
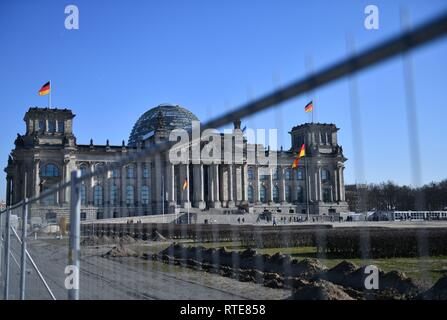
{"points": [[45, 89], [301, 154], [309, 107], [185, 184]]}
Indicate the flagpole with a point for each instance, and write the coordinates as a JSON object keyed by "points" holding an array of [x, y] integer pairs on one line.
{"points": [[49, 96], [307, 190]]}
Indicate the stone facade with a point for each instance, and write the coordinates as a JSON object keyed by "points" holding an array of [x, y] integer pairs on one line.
{"points": [[47, 153]]}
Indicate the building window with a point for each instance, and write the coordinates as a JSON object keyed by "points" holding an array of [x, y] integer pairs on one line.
{"points": [[145, 195], [115, 173], [83, 195], [251, 173], [83, 216], [51, 199], [300, 194], [50, 170], [262, 194], [276, 173], [130, 195], [275, 194], [97, 196], [299, 174], [41, 125], [113, 195], [61, 126], [250, 194], [288, 174], [327, 195], [264, 177], [83, 170], [325, 175], [288, 194], [130, 171], [145, 171], [51, 125]]}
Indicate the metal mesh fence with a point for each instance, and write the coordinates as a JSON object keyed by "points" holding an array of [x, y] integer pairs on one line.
{"points": [[183, 242]]}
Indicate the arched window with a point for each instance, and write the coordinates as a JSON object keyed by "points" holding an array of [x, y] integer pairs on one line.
{"points": [[288, 174], [145, 171], [130, 171], [300, 194], [50, 170], [276, 173], [250, 173], [325, 175], [113, 194], [130, 195], [97, 196], [250, 194], [144, 195], [299, 174], [288, 194], [262, 194], [275, 194], [83, 195], [83, 170]]}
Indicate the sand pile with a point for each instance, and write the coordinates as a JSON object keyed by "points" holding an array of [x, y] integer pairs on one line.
{"points": [[319, 290]]}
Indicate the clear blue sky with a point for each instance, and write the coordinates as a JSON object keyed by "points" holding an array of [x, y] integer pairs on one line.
{"points": [[129, 56]]}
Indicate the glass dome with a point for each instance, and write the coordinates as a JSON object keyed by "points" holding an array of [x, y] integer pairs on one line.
{"points": [[174, 117]]}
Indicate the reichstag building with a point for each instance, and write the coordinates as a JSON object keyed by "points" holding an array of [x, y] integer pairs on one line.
{"points": [[48, 151]]}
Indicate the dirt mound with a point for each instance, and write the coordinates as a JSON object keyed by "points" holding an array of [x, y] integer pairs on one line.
{"points": [[397, 281], [437, 292], [248, 253], [307, 267], [319, 290], [120, 251], [339, 273]]}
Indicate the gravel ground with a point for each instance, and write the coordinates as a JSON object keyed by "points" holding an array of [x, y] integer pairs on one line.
{"points": [[126, 278]]}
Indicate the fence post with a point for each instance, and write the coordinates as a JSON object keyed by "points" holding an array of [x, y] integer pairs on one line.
{"points": [[75, 226], [6, 254], [23, 257]]}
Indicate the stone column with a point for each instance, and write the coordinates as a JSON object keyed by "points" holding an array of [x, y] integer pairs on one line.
{"points": [[257, 189], [36, 177], [216, 190], [198, 186], [210, 185], [342, 184], [336, 194], [90, 186], [139, 184], [170, 183], [245, 183], [157, 175], [123, 191], [230, 186], [282, 185], [270, 193]]}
